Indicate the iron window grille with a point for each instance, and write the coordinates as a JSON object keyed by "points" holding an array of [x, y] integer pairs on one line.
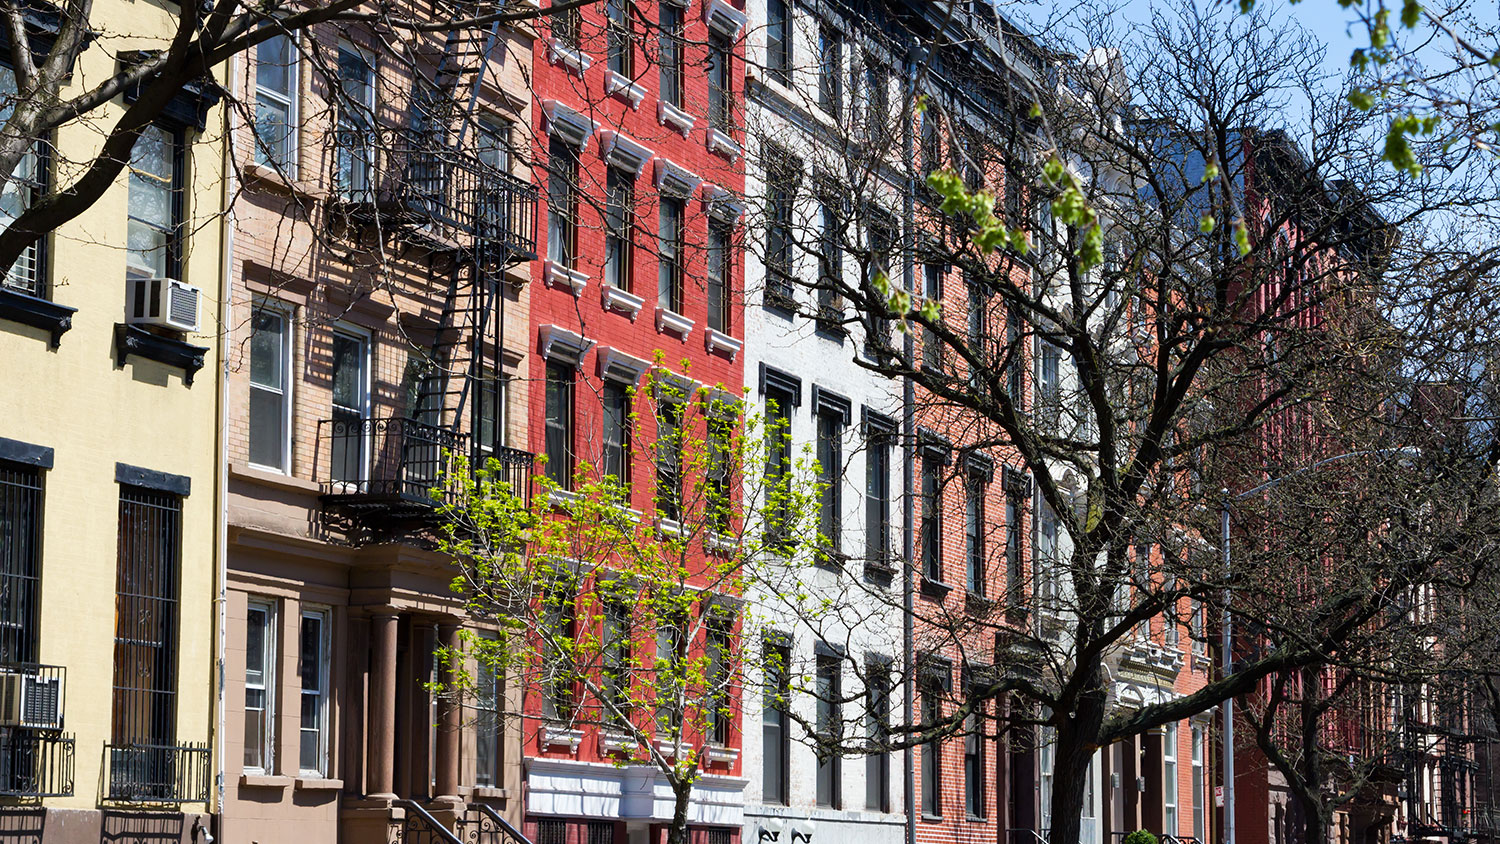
{"points": [[146, 596], [20, 561]]}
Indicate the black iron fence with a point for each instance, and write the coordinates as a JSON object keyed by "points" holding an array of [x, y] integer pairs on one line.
{"points": [[417, 826], [512, 468], [399, 178], [35, 764], [157, 773], [390, 458]]}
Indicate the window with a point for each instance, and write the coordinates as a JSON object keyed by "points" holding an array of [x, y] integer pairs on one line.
{"points": [[619, 36], [779, 40], [775, 726], [974, 770], [356, 113], [779, 199], [669, 459], [1049, 388], [1196, 629], [312, 665], [830, 69], [1015, 359], [1200, 827], [1015, 572], [20, 193], [615, 664], [974, 491], [720, 474], [276, 104], [932, 540], [260, 685], [619, 230], [489, 432], [717, 712], [830, 477], [270, 390], [559, 423], [826, 722], [877, 99], [351, 407], [669, 291], [549, 831], [567, 25], [492, 143], [145, 665], [488, 733], [880, 238], [670, 668], [979, 331], [878, 497], [562, 202], [830, 264], [155, 211], [778, 464], [720, 82], [931, 142], [558, 638], [877, 727], [617, 423], [1169, 779], [720, 273], [932, 752], [20, 561], [932, 290], [1045, 754], [670, 43], [1046, 560]]}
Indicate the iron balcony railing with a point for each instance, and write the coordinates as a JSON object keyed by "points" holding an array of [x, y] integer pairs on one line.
{"points": [[386, 460], [31, 695], [157, 773], [481, 824], [405, 178], [35, 763], [513, 468]]}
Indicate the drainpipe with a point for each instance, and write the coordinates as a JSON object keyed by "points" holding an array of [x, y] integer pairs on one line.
{"points": [[221, 573], [909, 429]]}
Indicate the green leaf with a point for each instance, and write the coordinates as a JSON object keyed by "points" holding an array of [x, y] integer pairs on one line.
{"points": [[1206, 224], [1411, 14], [1361, 99]]}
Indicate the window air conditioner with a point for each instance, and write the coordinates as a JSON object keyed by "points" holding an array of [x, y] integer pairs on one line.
{"points": [[164, 302], [30, 700]]}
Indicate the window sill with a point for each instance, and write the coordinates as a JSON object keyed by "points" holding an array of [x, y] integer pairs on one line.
{"points": [[932, 818], [264, 781], [616, 85], [718, 754], [668, 321], [562, 499], [617, 300], [675, 118], [670, 528], [978, 604], [269, 178], [561, 737], [130, 340], [722, 143], [489, 792], [318, 784], [575, 60], [782, 303], [935, 588], [271, 478], [36, 312], [611, 742], [560, 276], [718, 341]]}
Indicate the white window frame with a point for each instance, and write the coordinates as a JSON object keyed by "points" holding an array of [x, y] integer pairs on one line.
{"points": [[284, 313], [1200, 816], [325, 618], [1170, 820], [291, 100], [267, 685]]}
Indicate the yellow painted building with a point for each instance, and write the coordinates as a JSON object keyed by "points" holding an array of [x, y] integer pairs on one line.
{"points": [[109, 494]]}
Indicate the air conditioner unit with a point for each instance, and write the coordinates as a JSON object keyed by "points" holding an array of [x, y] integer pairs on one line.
{"points": [[31, 700], [164, 302]]}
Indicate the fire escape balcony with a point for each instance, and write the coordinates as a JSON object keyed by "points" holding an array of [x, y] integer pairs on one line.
{"points": [[405, 180], [385, 471]]}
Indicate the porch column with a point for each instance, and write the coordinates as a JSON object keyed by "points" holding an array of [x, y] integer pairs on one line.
{"points": [[449, 722], [382, 727]]}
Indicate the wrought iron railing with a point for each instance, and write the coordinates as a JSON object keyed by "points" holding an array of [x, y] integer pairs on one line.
{"points": [[391, 458], [1025, 835], [157, 773], [481, 824], [418, 826], [513, 468], [35, 763], [402, 178], [31, 695]]}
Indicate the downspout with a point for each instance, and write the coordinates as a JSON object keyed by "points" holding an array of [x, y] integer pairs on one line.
{"points": [[909, 430], [221, 600]]}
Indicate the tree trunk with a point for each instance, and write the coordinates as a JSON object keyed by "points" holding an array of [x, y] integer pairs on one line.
{"points": [[682, 791], [1072, 750]]}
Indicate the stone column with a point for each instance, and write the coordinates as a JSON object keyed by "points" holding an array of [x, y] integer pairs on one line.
{"points": [[380, 780], [449, 720]]}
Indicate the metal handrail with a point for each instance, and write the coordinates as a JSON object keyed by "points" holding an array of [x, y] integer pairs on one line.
{"points": [[1029, 834], [433, 828], [506, 826]]}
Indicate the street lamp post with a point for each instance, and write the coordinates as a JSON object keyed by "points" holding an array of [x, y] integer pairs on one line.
{"points": [[1226, 637]]}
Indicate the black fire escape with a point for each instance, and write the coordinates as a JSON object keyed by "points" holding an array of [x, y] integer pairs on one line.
{"points": [[425, 193]]}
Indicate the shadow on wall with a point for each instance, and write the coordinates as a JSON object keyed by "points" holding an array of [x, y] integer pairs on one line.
{"points": [[22, 826], [137, 828]]}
